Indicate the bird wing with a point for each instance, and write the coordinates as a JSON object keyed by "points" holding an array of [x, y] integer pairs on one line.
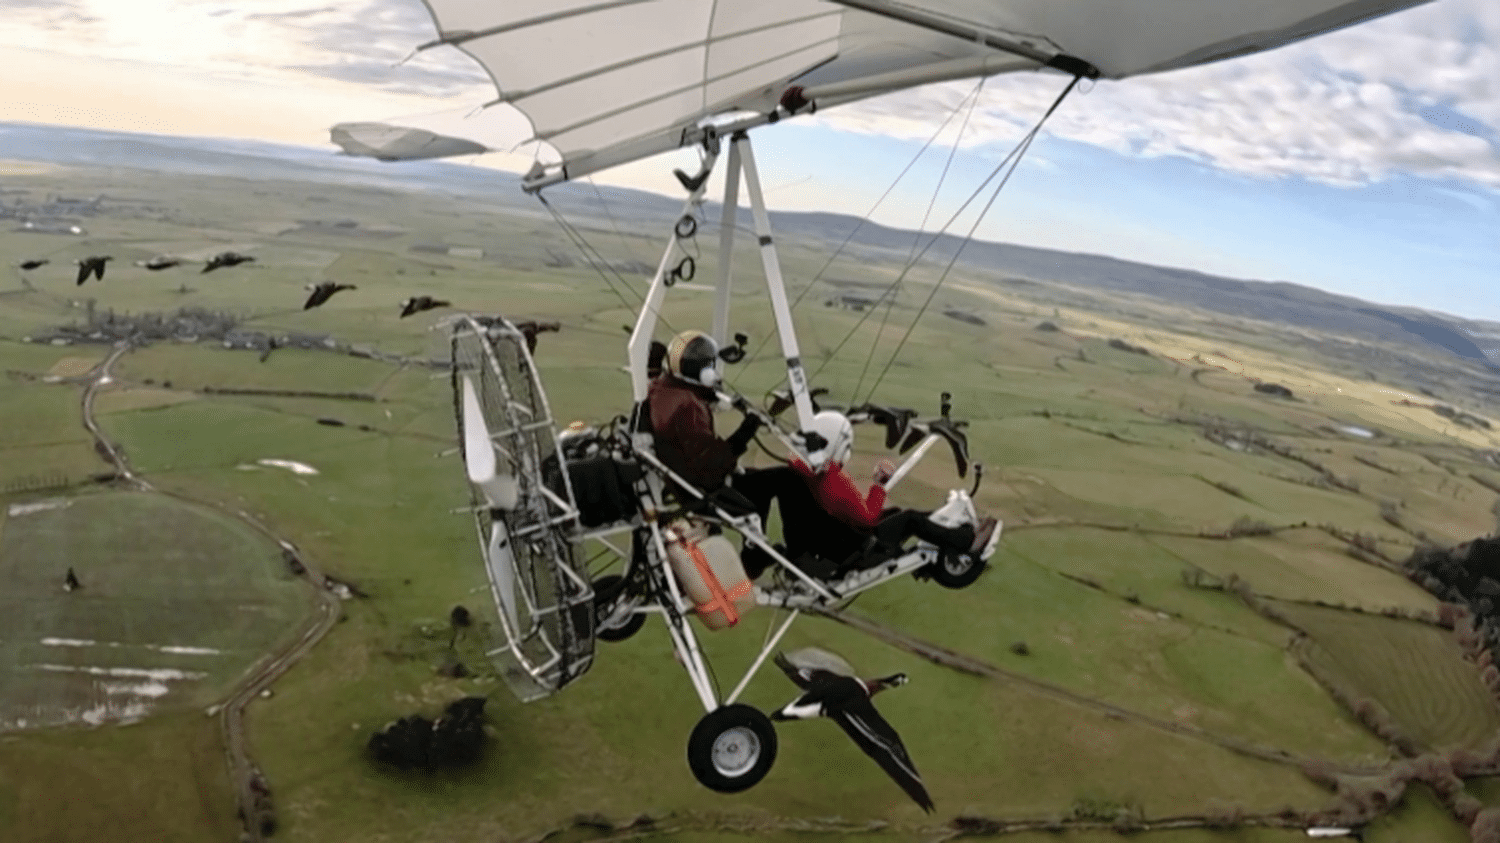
{"points": [[802, 677], [84, 268], [862, 723], [895, 421], [408, 307], [315, 299], [819, 659], [916, 431], [99, 270], [957, 440]]}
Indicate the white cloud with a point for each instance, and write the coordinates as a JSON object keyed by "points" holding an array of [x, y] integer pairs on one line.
{"points": [[1344, 108], [268, 40]]}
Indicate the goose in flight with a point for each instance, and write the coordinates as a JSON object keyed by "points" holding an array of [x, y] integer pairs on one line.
{"points": [[323, 292], [94, 264], [417, 304], [831, 689]]}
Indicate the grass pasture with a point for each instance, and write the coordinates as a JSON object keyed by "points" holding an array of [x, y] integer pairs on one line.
{"points": [[1411, 669], [176, 602]]}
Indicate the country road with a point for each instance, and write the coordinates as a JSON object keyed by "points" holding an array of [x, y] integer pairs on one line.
{"points": [[248, 782]]}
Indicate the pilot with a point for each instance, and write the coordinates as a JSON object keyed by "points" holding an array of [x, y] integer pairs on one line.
{"points": [[682, 423]]}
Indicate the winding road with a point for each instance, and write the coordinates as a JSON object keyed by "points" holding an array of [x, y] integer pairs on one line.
{"points": [[248, 781]]}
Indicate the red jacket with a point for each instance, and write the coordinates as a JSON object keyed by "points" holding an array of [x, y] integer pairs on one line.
{"points": [[683, 433], [838, 495]]}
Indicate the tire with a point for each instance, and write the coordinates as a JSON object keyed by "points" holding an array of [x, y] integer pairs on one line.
{"points": [[732, 748], [956, 570], [609, 592]]}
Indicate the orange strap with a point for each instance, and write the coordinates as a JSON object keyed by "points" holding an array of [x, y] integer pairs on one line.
{"points": [[721, 599]]}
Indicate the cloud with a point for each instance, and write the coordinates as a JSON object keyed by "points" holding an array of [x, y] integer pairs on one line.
{"points": [[269, 40], [1417, 92], [1347, 108]]}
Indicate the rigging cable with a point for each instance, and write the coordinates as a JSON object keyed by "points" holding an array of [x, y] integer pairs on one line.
{"points": [[1015, 158], [611, 217], [890, 299], [593, 256], [597, 260], [913, 261], [862, 220]]}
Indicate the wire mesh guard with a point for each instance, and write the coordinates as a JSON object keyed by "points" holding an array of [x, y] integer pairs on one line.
{"points": [[524, 509]]}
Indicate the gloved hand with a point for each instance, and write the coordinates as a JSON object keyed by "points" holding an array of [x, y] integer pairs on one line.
{"points": [[739, 440], [741, 403], [883, 471]]}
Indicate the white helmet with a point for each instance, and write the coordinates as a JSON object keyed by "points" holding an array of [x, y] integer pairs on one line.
{"points": [[839, 434]]}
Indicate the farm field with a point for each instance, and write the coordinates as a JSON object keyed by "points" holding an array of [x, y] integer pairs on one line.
{"points": [[1120, 676], [175, 603]]}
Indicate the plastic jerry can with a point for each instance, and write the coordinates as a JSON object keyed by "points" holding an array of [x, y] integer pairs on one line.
{"points": [[709, 569]]}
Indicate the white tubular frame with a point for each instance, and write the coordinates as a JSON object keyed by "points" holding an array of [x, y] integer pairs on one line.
{"points": [[741, 161]]}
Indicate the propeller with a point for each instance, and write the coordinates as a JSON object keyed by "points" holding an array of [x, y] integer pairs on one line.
{"points": [[500, 490]]}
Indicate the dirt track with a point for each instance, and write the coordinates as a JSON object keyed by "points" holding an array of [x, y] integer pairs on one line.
{"points": [[242, 769]]}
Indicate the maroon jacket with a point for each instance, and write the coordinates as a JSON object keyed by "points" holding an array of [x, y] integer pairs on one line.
{"points": [[683, 429]]}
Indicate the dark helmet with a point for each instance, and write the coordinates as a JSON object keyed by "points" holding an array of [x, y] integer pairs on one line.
{"points": [[693, 356]]}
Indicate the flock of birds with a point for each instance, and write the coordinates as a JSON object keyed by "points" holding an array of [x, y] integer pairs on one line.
{"points": [[318, 294]]}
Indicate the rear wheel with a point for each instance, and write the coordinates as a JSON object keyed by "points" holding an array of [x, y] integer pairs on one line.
{"points": [[732, 748], [956, 570], [614, 619]]}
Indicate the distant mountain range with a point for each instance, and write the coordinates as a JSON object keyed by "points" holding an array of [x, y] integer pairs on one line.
{"points": [[1276, 302]]}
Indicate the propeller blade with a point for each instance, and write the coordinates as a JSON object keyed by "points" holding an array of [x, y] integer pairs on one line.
{"points": [[479, 451], [500, 489], [502, 565]]}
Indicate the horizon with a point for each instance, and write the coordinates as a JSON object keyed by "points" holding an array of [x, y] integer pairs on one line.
{"points": [[895, 226]]}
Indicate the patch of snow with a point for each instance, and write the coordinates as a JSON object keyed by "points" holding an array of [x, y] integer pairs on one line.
{"points": [[67, 642], [1353, 430], [158, 674], [160, 648], [104, 712], [37, 506], [294, 467], [135, 689]]}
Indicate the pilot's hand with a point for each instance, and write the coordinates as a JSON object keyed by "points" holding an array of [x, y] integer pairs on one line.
{"points": [[883, 472]]}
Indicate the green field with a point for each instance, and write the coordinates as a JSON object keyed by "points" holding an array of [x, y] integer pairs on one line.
{"points": [[177, 601], [1413, 670], [1137, 691]]}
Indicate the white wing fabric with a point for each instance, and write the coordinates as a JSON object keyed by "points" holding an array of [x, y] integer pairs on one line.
{"points": [[400, 143], [604, 82]]}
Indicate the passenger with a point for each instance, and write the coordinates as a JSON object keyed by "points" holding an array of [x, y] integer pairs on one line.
{"points": [[682, 423], [836, 492]]}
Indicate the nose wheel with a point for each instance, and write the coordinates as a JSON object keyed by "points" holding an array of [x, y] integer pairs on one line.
{"points": [[732, 748]]}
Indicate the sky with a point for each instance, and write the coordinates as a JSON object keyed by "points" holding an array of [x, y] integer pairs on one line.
{"points": [[1365, 161]]}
